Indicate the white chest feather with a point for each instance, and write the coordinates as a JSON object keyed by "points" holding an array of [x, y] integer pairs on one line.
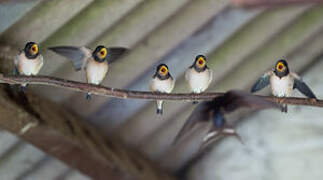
{"points": [[165, 86], [198, 81], [96, 72], [281, 87], [28, 67]]}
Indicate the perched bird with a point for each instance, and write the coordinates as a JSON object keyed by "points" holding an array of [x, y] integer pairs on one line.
{"points": [[162, 82], [199, 76], [28, 62], [214, 111], [94, 63], [282, 82]]}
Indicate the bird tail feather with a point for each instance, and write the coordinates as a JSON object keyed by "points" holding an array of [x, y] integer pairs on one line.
{"points": [[159, 107]]}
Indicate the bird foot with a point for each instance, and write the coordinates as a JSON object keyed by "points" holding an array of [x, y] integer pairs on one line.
{"points": [[195, 102], [88, 96], [313, 100], [284, 109], [23, 88], [159, 112]]}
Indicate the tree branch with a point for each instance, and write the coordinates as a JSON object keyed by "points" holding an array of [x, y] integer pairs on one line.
{"points": [[125, 94]]}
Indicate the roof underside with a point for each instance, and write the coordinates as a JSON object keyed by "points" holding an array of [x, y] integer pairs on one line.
{"points": [[240, 45]]}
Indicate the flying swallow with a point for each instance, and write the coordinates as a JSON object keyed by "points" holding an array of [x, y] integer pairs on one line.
{"points": [[199, 76], [162, 82], [29, 61], [282, 82], [214, 111], [94, 63]]}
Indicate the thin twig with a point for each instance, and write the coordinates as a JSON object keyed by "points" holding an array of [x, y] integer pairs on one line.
{"points": [[129, 94]]}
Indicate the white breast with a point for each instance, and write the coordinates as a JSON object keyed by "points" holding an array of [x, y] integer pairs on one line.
{"points": [[281, 87], [96, 72], [165, 86], [198, 82], [29, 67]]}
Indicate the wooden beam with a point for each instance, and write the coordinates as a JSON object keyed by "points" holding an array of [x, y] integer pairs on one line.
{"points": [[267, 3], [83, 29], [91, 22], [42, 21], [12, 12]]}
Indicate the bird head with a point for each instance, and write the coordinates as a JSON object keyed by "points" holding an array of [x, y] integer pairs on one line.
{"points": [[281, 68], [162, 71], [31, 50], [100, 54], [200, 63]]}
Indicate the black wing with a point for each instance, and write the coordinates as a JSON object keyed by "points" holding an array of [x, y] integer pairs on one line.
{"points": [[115, 52], [78, 55], [303, 88], [262, 82], [235, 99], [229, 102], [199, 115]]}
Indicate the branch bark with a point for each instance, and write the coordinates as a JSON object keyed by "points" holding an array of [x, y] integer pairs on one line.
{"points": [[125, 94]]}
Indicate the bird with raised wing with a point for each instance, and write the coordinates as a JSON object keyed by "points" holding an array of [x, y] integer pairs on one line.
{"points": [[282, 82], [94, 63]]}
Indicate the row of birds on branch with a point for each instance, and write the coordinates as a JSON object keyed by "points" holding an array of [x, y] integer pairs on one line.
{"points": [[96, 64]]}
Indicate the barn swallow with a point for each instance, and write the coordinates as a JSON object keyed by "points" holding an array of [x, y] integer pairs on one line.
{"points": [[94, 63], [199, 76], [282, 82], [28, 61], [214, 111], [162, 82]]}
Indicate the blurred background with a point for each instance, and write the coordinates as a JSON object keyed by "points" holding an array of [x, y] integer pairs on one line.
{"points": [[240, 43]]}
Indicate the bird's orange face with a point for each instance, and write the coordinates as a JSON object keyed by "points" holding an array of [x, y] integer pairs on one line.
{"points": [[280, 67], [102, 53], [163, 71], [200, 62], [34, 49]]}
